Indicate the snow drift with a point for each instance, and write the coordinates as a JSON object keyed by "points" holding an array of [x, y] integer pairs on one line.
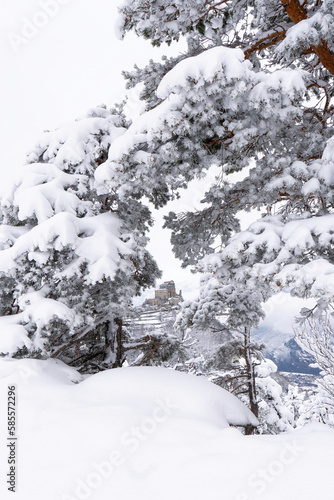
{"points": [[149, 433]]}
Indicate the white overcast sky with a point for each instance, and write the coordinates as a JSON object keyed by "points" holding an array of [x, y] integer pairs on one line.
{"points": [[71, 63], [54, 68]]}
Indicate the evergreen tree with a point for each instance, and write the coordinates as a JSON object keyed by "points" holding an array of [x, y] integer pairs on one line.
{"points": [[234, 362], [72, 254], [239, 354], [252, 95]]}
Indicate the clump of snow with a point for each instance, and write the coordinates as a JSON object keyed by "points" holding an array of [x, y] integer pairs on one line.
{"points": [[266, 368], [36, 374], [194, 397], [302, 34], [205, 65], [42, 190], [96, 240], [13, 337]]}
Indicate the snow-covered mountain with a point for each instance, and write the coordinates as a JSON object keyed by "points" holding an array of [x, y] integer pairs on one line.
{"points": [[276, 331], [282, 348]]}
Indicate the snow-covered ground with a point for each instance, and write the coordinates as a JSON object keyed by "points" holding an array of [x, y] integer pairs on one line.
{"points": [[149, 433]]}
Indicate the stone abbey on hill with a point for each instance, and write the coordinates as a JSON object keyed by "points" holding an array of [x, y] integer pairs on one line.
{"points": [[166, 293]]}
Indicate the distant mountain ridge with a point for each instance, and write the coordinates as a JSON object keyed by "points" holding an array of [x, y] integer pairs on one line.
{"points": [[285, 352]]}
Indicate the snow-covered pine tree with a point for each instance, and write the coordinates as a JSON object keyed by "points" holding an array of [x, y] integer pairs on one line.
{"points": [[238, 310], [72, 256], [253, 95], [238, 363]]}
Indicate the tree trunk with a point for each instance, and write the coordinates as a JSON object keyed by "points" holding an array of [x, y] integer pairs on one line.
{"points": [[254, 406], [298, 13], [119, 352]]}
